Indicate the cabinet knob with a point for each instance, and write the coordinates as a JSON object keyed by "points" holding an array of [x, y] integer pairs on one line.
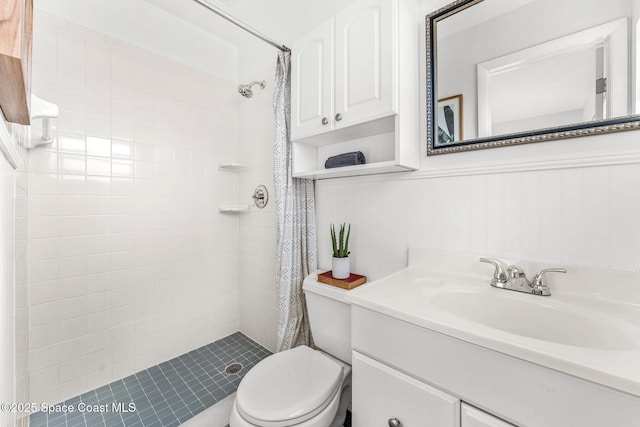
{"points": [[338, 117], [394, 422], [325, 121]]}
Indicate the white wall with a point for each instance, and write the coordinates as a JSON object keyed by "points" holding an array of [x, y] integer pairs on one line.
{"points": [[14, 369], [258, 287], [8, 352], [22, 290], [129, 263], [146, 26], [578, 216], [573, 201]]}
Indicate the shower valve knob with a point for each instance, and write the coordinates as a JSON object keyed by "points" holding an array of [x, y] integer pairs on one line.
{"points": [[394, 422], [325, 121], [338, 117]]}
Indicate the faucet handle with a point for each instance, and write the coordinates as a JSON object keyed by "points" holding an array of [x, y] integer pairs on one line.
{"points": [[500, 273], [537, 283]]}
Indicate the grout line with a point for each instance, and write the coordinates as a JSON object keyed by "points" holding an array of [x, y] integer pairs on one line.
{"points": [[194, 369]]}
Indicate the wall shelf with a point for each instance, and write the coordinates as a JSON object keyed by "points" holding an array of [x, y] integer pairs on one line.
{"points": [[233, 209], [231, 166], [366, 169]]}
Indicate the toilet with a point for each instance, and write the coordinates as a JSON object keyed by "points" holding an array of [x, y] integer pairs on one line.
{"points": [[303, 387]]}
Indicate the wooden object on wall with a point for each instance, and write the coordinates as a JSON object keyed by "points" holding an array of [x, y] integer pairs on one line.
{"points": [[16, 31]]}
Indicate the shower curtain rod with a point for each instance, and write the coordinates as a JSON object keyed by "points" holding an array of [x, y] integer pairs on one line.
{"points": [[242, 25]]}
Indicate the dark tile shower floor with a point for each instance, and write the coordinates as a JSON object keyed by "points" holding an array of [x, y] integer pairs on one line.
{"points": [[164, 395]]}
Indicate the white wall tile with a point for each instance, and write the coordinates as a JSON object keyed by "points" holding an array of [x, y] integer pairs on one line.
{"points": [[73, 184], [98, 166], [257, 294], [43, 357], [72, 287], [121, 130], [99, 282], [43, 161], [70, 122], [44, 379], [70, 349], [117, 213], [73, 369], [72, 328], [41, 249], [70, 143], [43, 183], [43, 314], [43, 292], [70, 308], [98, 185], [42, 271], [71, 164], [43, 336], [72, 226], [72, 205]]}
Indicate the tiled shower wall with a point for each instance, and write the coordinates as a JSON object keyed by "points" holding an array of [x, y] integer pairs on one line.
{"points": [[129, 262], [258, 291]]}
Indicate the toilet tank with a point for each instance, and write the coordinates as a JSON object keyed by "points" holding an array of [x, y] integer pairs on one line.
{"points": [[329, 316]]}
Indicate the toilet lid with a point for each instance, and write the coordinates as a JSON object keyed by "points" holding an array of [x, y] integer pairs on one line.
{"points": [[291, 386]]}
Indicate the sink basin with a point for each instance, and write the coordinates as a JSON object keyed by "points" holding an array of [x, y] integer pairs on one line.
{"points": [[535, 318]]}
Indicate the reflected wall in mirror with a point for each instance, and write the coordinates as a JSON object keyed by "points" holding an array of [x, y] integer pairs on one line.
{"points": [[532, 70]]}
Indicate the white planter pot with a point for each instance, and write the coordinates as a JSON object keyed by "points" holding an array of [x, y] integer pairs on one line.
{"points": [[340, 268]]}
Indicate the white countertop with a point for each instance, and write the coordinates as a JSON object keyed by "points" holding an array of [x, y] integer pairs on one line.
{"points": [[587, 334]]}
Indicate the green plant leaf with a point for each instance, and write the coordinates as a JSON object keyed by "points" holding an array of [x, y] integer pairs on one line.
{"points": [[340, 242]]}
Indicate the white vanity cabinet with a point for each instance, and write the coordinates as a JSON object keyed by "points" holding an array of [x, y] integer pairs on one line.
{"points": [[507, 389], [382, 394], [473, 417], [385, 396], [355, 87]]}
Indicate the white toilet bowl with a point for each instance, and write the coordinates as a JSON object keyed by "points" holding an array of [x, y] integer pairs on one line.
{"points": [[301, 387]]}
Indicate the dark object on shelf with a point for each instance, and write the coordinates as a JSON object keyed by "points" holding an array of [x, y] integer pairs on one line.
{"points": [[345, 159], [347, 420]]}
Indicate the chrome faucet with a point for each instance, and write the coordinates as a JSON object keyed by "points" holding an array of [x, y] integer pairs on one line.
{"points": [[513, 278]]}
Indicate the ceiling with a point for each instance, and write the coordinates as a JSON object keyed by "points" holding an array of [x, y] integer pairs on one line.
{"points": [[281, 20], [188, 32]]}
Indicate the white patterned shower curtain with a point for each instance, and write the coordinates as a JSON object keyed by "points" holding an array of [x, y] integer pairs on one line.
{"points": [[295, 206]]}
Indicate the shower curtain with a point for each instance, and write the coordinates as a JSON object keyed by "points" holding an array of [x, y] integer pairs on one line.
{"points": [[296, 228]]}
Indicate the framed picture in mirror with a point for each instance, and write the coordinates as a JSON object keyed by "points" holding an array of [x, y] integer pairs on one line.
{"points": [[450, 119]]}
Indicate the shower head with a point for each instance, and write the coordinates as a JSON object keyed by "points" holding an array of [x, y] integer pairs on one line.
{"points": [[245, 90]]}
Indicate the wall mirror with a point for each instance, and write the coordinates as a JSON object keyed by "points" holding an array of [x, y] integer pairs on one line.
{"points": [[506, 72]]}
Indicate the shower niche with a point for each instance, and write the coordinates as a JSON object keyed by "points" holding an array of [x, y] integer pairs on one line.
{"points": [[354, 87]]}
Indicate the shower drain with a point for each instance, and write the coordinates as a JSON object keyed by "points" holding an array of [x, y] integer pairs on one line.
{"points": [[234, 368]]}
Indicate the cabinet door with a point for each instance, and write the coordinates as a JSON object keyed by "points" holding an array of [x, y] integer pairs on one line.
{"points": [[365, 73], [474, 417], [381, 393], [312, 83]]}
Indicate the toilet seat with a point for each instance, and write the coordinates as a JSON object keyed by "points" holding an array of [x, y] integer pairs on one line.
{"points": [[289, 388]]}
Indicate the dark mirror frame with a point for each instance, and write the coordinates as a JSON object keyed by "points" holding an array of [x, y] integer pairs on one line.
{"points": [[618, 124]]}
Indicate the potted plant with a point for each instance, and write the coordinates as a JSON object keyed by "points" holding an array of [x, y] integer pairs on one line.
{"points": [[340, 263]]}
